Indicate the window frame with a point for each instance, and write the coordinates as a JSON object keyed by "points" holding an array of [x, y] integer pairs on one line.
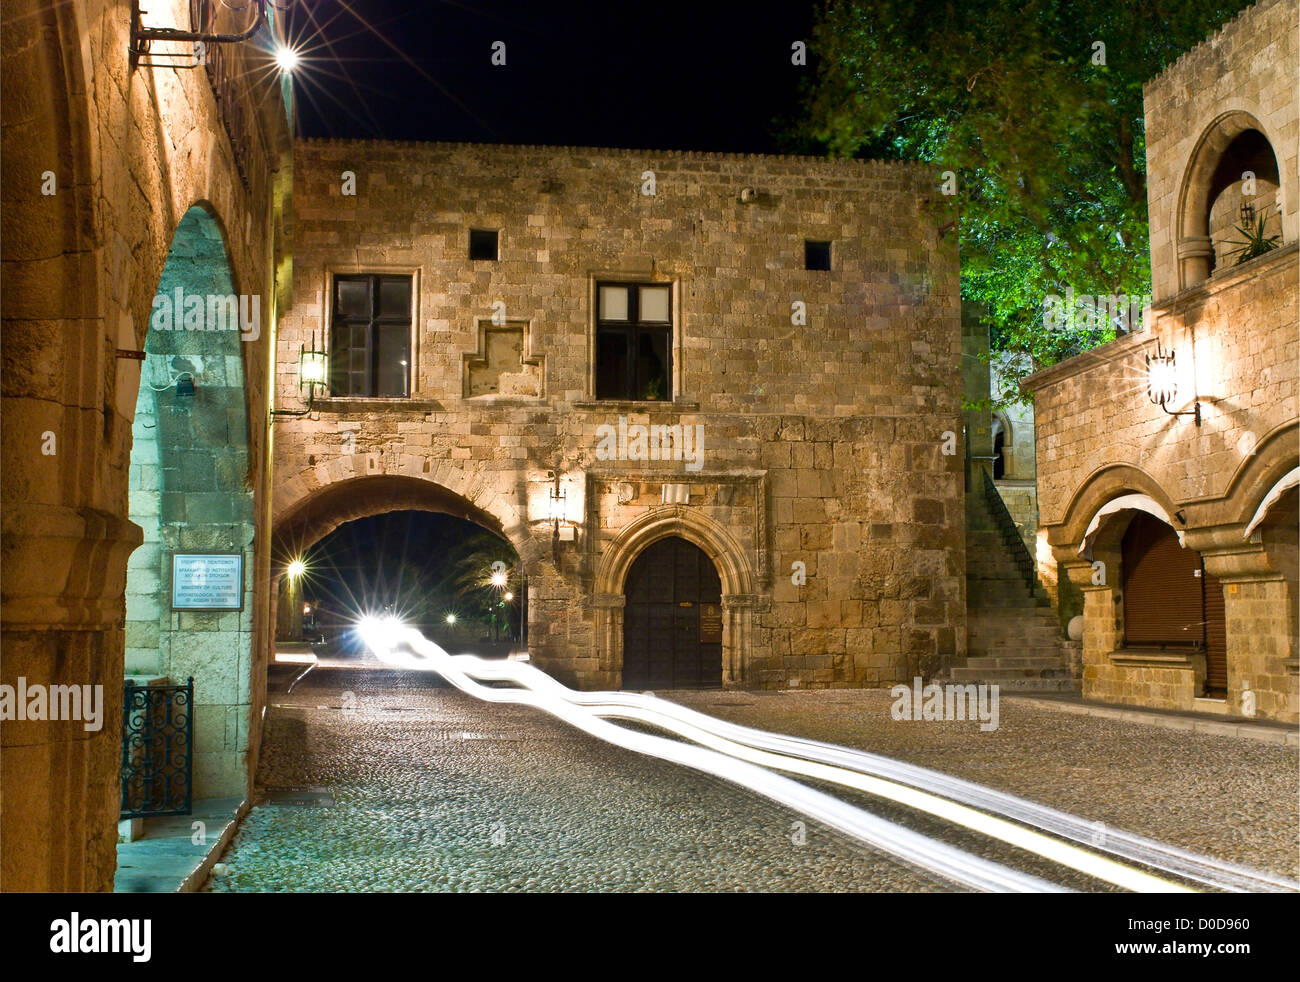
{"points": [[332, 273], [633, 328]]}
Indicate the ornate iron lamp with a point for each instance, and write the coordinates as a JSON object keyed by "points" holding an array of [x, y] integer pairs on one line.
{"points": [[1162, 383]]}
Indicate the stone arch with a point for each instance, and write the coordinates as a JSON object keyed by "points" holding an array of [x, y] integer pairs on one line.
{"points": [[314, 514], [191, 491], [1101, 486], [1004, 457], [734, 567], [1272, 457], [1201, 184]]}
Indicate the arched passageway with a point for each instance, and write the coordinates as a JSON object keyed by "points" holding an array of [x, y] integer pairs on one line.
{"points": [[189, 587]]}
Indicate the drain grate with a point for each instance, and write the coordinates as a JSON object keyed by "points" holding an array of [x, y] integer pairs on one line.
{"points": [[312, 797]]}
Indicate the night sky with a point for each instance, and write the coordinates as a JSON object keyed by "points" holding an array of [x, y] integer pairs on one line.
{"points": [[661, 75]]}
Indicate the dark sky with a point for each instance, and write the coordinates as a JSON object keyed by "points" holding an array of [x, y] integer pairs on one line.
{"points": [[653, 74]]}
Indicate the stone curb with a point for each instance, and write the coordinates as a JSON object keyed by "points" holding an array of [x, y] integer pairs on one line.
{"points": [[199, 875], [1252, 731]]}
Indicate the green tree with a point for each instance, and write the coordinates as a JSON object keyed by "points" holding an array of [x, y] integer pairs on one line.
{"points": [[1036, 108]]}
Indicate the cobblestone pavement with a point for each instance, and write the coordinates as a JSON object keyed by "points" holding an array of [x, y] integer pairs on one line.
{"points": [[433, 790], [1226, 797]]}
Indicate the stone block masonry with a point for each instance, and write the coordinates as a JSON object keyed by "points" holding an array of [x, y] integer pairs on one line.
{"points": [[821, 398]]}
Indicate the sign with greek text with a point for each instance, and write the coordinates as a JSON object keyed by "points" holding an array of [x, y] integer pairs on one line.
{"points": [[207, 581]]}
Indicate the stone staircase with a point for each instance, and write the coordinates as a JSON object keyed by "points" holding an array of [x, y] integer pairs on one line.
{"points": [[1013, 636]]}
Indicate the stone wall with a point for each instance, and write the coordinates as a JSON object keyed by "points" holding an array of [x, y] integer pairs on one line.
{"points": [[130, 152], [1244, 76], [822, 441]]}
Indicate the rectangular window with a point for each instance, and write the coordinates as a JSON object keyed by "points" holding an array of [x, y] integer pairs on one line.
{"points": [[483, 244], [816, 255], [634, 341], [370, 337]]}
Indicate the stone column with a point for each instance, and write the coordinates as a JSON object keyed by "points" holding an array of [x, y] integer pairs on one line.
{"points": [[738, 619], [1103, 625], [63, 615], [1259, 600], [1194, 252], [609, 636]]}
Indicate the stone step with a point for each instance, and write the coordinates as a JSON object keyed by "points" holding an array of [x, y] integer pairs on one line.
{"points": [[1016, 662], [1037, 635], [1001, 675]]}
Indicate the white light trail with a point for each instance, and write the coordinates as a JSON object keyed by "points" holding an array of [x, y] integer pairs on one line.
{"points": [[953, 864], [882, 776], [1149, 852]]}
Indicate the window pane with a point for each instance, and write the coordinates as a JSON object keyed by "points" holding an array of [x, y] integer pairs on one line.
{"points": [[652, 365], [395, 297], [391, 359], [613, 303], [611, 365], [654, 303], [352, 298], [347, 356]]}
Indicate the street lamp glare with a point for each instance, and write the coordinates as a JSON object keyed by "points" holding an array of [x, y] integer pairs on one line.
{"points": [[286, 58], [509, 596], [499, 578], [296, 569], [451, 618]]}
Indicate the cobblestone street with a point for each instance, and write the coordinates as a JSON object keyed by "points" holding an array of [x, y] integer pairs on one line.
{"points": [[432, 790]]}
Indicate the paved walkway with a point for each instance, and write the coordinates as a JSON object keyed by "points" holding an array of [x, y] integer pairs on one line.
{"points": [[383, 780]]}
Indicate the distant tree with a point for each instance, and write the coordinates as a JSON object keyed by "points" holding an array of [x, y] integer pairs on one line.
{"points": [[466, 571], [1036, 108]]}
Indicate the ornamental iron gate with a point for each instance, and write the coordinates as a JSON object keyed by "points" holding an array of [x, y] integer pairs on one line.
{"points": [[157, 749]]}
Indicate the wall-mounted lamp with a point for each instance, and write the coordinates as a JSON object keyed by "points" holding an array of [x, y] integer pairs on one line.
{"points": [[558, 506], [1162, 383], [313, 369], [141, 37]]}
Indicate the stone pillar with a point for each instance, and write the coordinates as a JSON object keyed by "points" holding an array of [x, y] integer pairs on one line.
{"points": [[288, 611], [1103, 625], [1259, 601], [738, 619], [63, 617], [975, 389], [1194, 253], [609, 636]]}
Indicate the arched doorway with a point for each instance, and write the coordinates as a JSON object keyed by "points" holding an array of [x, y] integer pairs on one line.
{"points": [[189, 586], [1170, 600], [672, 623]]}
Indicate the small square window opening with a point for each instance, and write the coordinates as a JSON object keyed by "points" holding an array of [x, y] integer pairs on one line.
{"points": [[816, 255], [483, 244]]}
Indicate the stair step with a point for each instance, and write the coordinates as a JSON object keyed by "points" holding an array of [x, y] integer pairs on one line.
{"points": [[1014, 662]]}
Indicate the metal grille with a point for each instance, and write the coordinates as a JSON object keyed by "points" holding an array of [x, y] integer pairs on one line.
{"points": [[157, 749]]}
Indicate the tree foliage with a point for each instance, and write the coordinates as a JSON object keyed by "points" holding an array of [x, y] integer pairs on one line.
{"points": [[1036, 107]]}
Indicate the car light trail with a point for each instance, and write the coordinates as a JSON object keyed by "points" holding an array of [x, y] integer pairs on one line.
{"points": [[930, 791], [1148, 852], [953, 864]]}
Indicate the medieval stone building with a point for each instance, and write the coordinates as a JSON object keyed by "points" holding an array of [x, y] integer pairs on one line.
{"points": [[1180, 530], [738, 377]]}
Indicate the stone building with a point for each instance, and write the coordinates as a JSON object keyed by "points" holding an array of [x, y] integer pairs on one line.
{"points": [[123, 181], [506, 326], [1179, 531]]}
